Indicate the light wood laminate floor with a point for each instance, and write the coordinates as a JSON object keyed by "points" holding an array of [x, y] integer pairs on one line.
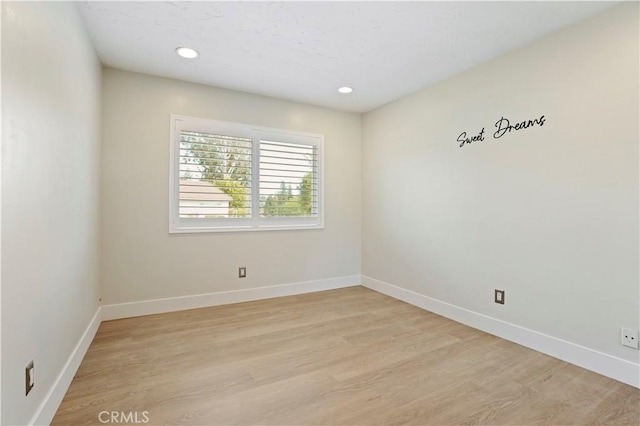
{"points": [[341, 357]]}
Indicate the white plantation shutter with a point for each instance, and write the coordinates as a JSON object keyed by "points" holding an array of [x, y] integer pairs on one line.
{"points": [[288, 183], [235, 177]]}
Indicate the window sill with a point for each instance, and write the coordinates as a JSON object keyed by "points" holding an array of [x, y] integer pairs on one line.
{"points": [[208, 229]]}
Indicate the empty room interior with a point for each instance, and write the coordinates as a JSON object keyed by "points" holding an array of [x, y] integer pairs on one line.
{"points": [[320, 213]]}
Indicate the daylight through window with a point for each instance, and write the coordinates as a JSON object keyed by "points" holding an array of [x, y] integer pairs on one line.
{"points": [[228, 176]]}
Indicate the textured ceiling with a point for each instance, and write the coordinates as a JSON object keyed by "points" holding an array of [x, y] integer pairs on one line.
{"points": [[304, 51]]}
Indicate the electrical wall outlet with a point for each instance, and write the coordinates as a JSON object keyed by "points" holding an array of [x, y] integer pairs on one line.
{"points": [[242, 272], [29, 379], [499, 296], [629, 338]]}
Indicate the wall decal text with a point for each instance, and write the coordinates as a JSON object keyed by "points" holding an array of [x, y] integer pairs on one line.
{"points": [[502, 126]]}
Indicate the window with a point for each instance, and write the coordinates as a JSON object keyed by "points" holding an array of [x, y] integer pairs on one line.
{"points": [[236, 177]]}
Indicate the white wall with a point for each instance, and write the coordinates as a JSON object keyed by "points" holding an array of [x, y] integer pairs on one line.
{"points": [[142, 261], [549, 214], [50, 170]]}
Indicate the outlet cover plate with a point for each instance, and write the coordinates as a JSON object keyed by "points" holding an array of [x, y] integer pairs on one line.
{"points": [[499, 296], [629, 338]]}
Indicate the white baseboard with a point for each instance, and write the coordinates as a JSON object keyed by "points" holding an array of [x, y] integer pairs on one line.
{"points": [[598, 362], [172, 304], [47, 409]]}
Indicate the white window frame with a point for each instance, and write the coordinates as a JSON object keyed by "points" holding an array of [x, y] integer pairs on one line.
{"points": [[256, 134]]}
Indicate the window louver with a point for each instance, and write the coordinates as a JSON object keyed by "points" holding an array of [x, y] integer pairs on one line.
{"points": [[288, 180]]}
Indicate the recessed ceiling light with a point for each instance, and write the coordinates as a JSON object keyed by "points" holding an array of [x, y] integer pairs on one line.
{"points": [[345, 89], [187, 52]]}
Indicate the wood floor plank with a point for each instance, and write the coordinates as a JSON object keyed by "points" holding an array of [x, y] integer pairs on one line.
{"points": [[341, 357]]}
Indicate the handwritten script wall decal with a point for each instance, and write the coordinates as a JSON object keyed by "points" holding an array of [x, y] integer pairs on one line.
{"points": [[503, 126]]}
